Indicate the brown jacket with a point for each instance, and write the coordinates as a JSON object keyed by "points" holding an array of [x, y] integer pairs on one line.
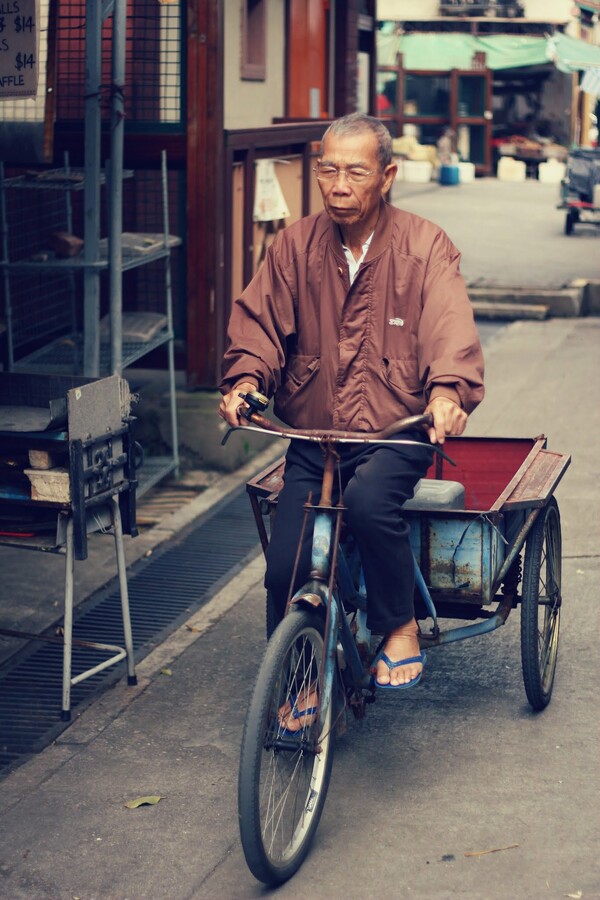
{"points": [[356, 357]]}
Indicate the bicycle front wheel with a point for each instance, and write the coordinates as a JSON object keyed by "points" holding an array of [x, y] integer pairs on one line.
{"points": [[284, 777]]}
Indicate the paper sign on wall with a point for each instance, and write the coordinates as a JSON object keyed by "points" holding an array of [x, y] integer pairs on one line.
{"points": [[19, 48], [269, 202]]}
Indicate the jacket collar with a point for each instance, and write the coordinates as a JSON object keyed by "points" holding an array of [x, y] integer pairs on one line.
{"points": [[380, 240]]}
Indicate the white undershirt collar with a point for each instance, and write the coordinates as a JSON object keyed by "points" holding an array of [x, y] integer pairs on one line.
{"points": [[354, 264]]}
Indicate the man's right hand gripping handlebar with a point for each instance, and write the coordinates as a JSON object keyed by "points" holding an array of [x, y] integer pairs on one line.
{"points": [[234, 407]]}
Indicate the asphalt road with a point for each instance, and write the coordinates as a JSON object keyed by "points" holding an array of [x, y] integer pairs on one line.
{"points": [[456, 790], [509, 234]]}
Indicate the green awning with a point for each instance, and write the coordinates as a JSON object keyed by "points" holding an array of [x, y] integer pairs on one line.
{"points": [[442, 52]]}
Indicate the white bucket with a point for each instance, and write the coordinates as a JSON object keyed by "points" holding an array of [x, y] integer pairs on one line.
{"points": [[510, 169], [466, 172], [417, 171], [551, 172]]}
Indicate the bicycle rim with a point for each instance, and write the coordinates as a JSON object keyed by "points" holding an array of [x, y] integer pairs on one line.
{"points": [[284, 778]]}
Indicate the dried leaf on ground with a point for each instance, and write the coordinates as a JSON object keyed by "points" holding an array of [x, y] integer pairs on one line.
{"points": [[166, 671], [492, 850], [144, 801]]}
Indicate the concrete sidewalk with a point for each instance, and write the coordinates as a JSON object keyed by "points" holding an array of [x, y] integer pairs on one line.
{"points": [[490, 774], [510, 235]]}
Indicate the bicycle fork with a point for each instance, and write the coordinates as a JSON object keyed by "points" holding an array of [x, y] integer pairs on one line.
{"points": [[320, 592]]}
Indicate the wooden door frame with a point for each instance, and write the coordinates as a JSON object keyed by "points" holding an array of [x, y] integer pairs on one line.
{"points": [[352, 31], [205, 193]]}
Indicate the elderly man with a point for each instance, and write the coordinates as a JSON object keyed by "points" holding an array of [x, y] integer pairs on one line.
{"points": [[358, 316]]}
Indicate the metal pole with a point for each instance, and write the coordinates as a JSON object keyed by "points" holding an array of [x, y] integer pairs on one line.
{"points": [[122, 570], [169, 299], [91, 198], [115, 232], [68, 624], [5, 272]]}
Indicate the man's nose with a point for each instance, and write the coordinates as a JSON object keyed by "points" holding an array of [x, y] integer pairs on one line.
{"points": [[341, 183]]}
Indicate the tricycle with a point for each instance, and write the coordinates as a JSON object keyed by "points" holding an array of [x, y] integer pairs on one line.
{"points": [[579, 188], [486, 538]]}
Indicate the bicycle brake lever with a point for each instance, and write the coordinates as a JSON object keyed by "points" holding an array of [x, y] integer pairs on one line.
{"points": [[445, 456], [227, 436]]}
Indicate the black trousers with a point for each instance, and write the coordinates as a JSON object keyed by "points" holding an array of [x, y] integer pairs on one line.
{"points": [[376, 480]]}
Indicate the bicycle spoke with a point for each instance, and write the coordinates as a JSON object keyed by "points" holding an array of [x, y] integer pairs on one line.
{"points": [[277, 809]]}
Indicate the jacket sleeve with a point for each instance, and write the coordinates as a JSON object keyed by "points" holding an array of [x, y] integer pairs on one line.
{"points": [[262, 322], [450, 355]]}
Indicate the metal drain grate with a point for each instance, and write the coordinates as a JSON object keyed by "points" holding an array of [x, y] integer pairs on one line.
{"points": [[164, 590]]}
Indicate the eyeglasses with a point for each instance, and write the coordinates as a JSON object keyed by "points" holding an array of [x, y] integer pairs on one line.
{"points": [[354, 174]]}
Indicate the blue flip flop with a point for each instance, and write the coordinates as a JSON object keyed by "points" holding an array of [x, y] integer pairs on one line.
{"points": [[297, 714], [394, 665]]}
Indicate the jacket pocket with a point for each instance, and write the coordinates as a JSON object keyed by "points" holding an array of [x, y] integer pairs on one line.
{"points": [[299, 372], [402, 377]]}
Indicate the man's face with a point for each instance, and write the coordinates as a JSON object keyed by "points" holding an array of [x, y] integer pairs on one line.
{"points": [[351, 204]]}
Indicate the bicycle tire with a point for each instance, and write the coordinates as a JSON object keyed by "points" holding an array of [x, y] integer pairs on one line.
{"points": [[540, 606], [278, 773], [569, 223], [272, 616]]}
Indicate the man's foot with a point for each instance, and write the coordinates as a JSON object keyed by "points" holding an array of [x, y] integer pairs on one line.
{"points": [[402, 643], [300, 711]]}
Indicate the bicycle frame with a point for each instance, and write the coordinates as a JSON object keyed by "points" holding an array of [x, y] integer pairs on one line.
{"points": [[320, 590]]}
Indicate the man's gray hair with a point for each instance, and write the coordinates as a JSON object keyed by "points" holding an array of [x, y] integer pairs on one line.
{"points": [[359, 123]]}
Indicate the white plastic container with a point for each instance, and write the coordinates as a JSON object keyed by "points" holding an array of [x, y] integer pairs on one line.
{"points": [[510, 169], [433, 494], [551, 172], [466, 172], [417, 171]]}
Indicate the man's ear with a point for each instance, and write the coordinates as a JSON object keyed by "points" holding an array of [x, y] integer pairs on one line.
{"points": [[389, 174]]}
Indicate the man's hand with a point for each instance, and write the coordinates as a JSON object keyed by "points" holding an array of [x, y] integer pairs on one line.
{"points": [[232, 402], [448, 418]]}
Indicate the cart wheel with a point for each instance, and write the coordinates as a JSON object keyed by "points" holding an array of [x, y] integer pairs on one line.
{"points": [[540, 606], [570, 223]]}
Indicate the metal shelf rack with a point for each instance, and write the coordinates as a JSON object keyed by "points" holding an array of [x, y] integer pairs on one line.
{"points": [[69, 326], [47, 337]]}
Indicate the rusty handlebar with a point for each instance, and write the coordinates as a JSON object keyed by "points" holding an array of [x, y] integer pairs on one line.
{"points": [[261, 424], [331, 435]]}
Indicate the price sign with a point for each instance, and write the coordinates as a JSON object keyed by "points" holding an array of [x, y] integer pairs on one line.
{"points": [[19, 48]]}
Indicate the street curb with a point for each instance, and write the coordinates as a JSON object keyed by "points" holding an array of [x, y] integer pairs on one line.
{"points": [[175, 522], [568, 302], [507, 310], [592, 297]]}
